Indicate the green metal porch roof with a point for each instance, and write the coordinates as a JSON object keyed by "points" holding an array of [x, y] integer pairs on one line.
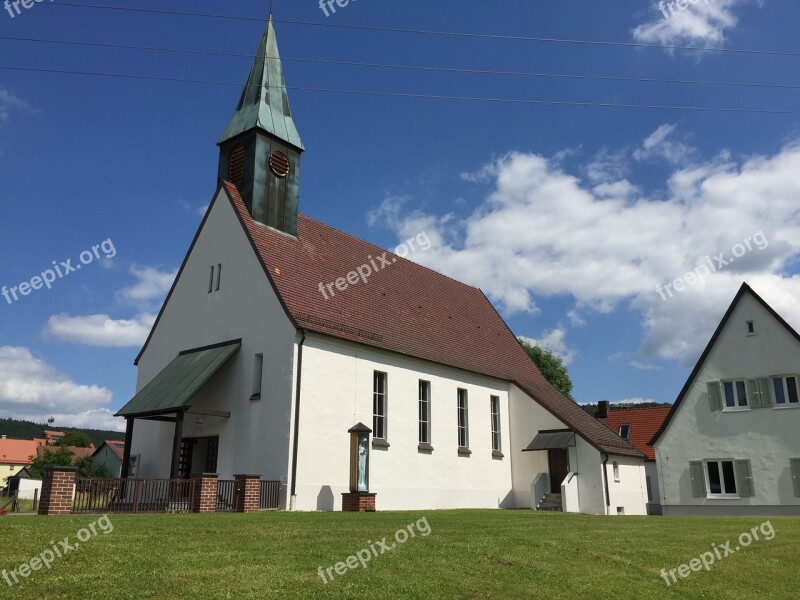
{"points": [[173, 388]]}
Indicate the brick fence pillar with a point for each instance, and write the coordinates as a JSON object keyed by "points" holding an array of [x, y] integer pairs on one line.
{"points": [[248, 493], [205, 492], [358, 502], [58, 489]]}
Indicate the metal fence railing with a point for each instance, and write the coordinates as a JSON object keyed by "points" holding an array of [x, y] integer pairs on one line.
{"points": [[133, 495], [226, 495], [270, 495]]}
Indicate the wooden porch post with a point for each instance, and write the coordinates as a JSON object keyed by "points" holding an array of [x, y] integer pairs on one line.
{"points": [[126, 455], [176, 446]]}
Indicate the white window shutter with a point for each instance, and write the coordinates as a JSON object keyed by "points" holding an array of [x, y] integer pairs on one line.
{"points": [[764, 384], [696, 472], [744, 478], [796, 475], [714, 395], [753, 393]]}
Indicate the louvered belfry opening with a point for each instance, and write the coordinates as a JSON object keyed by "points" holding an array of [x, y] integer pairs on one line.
{"points": [[236, 165]]}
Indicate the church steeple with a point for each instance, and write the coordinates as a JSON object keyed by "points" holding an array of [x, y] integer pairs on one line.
{"points": [[260, 148]]}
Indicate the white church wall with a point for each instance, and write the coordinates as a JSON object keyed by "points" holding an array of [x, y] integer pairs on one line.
{"points": [[255, 439], [337, 392]]}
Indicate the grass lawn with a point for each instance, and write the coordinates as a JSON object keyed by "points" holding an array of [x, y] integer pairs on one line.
{"points": [[467, 554]]}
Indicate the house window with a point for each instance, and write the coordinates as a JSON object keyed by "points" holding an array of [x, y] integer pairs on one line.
{"points": [[379, 405], [424, 412], [495, 407], [211, 281], [219, 276], [625, 431], [785, 389], [735, 394], [463, 419], [721, 478], [258, 374], [751, 328], [616, 471], [649, 489]]}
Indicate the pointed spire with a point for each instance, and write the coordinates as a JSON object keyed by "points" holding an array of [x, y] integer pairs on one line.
{"points": [[265, 103]]}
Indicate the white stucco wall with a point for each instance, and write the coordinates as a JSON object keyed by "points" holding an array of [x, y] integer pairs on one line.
{"points": [[629, 493], [256, 437], [768, 437], [337, 384]]}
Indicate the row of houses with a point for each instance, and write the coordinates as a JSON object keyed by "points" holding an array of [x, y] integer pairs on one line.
{"points": [[281, 336]]}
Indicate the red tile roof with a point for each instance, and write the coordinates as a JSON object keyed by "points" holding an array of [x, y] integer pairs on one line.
{"points": [[16, 452], [77, 452], [644, 423], [404, 308]]}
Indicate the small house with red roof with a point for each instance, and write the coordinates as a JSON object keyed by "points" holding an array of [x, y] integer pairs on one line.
{"points": [[638, 426], [282, 336]]}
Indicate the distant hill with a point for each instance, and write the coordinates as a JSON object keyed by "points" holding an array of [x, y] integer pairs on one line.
{"points": [[592, 408], [27, 430]]}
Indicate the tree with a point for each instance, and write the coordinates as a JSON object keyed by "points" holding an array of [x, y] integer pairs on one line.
{"points": [[102, 472], [75, 438], [84, 466], [61, 457], [551, 366]]}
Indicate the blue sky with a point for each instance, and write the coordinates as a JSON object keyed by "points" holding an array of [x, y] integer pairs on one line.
{"points": [[567, 217]]}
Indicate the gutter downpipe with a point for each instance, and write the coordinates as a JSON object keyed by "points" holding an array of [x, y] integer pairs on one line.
{"points": [[293, 492], [605, 482]]}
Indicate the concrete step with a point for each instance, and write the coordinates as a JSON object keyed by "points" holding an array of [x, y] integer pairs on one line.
{"points": [[551, 502]]}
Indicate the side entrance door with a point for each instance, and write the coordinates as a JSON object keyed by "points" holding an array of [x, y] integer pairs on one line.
{"points": [[558, 463]]}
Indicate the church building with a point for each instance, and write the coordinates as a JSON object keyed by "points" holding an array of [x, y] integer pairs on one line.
{"points": [[255, 365]]}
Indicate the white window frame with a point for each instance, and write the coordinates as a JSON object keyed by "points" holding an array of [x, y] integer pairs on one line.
{"points": [[425, 411], [722, 495], [380, 400], [786, 404], [617, 478], [497, 438], [737, 402], [463, 411], [258, 376], [630, 428]]}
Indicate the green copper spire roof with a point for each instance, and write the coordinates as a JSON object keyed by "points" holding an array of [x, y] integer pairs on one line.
{"points": [[265, 103]]}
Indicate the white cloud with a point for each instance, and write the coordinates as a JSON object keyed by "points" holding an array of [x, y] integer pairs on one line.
{"points": [[9, 102], [555, 341], [542, 232], [633, 401], [32, 389], [101, 330], [641, 366], [701, 23], [152, 285], [659, 144]]}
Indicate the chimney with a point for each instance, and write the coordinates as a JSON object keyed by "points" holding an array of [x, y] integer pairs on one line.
{"points": [[602, 409]]}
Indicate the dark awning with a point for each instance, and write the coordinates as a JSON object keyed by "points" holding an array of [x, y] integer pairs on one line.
{"points": [[176, 385], [551, 440]]}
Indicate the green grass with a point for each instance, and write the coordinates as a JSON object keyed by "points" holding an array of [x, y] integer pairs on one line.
{"points": [[468, 554]]}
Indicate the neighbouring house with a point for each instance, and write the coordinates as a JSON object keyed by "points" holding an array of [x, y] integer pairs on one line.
{"points": [[14, 455], [77, 452], [638, 426], [24, 485], [270, 347], [109, 454], [730, 444]]}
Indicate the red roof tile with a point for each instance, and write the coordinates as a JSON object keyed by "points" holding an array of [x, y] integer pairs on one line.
{"points": [[404, 308], [17, 452], [644, 423]]}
